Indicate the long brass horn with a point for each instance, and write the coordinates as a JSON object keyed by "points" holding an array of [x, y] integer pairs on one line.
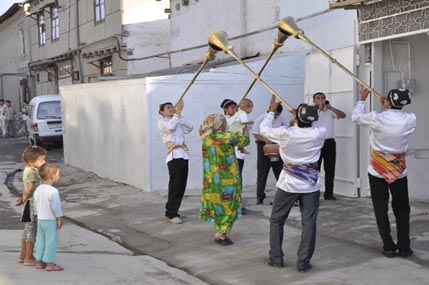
{"points": [[288, 27], [278, 42], [210, 55], [219, 41]]}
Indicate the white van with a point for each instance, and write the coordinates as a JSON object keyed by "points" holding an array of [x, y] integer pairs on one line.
{"points": [[44, 120]]}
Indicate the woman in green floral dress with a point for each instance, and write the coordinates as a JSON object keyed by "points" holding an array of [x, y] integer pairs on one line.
{"points": [[221, 195]]}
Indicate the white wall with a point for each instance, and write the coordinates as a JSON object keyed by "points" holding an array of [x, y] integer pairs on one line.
{"points": [[204, 98], [285, 74], [193, 24], [110, 128], [105, 129], [146, 39]]}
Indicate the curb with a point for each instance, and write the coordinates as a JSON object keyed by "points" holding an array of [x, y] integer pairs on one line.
{"points": [[9, 182]]}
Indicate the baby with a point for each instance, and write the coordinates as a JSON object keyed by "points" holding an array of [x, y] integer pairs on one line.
{"points": [[240, 119]]}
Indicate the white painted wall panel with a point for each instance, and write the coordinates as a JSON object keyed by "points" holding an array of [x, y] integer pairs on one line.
{"points": [[339, 91], [105, 130], [111, 127]]}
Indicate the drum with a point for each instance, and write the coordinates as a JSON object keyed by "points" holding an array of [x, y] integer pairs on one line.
{"points": [[272, 151]]}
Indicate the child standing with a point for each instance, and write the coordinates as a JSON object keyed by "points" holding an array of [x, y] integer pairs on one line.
{"points": [[229, 108], [34, 157], [173, 127], [47, 205], [240, 120]]}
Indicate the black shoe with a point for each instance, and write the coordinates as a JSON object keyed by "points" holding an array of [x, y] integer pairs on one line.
{"points": [[243, 210], [275, 264], [224, 242], [333, 198], [305, 268], [389, 253], [406, 252], [259, 201]]}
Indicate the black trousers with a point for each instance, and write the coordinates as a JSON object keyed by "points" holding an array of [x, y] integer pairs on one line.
{"points": [[263, 169], [328, 154], [178, 170], [401, 209]]}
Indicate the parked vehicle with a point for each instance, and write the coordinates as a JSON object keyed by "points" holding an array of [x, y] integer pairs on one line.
{"points": [[44, 120]]}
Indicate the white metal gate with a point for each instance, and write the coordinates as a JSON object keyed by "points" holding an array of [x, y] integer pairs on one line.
{"points": [[322, 75]]}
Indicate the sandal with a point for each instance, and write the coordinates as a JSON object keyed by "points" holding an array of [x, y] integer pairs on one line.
{"points": [[55, 268], [20, 260], [30, 262], [224, 242]]}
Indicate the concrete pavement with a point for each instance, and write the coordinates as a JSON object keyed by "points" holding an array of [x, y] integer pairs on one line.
{"points": [[88, 258], [347, 251]]}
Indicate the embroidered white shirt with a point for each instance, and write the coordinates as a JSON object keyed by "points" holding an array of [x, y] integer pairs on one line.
{"points": [[390, 130], [297, 146]]}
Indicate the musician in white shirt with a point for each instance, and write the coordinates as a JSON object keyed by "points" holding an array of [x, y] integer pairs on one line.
{"points": [[390, 132], [327, 115], [173, 127], [300, 147], [264, 163]]}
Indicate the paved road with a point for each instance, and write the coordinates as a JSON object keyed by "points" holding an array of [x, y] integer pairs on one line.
{"points": [[89, 258], [347, 252]]}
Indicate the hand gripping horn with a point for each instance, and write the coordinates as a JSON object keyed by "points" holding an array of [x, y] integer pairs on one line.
{"points": [[210, 55], [288, 27], [278, 42], [219, 41]]}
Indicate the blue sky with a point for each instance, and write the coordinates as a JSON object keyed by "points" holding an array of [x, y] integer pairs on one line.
{"points": [[5, 4]]}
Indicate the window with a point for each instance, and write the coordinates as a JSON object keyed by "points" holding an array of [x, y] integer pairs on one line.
{"points": [[106, 66], [42, 30], [99, 10], [55, 26], [22, 42], [49, 110]]}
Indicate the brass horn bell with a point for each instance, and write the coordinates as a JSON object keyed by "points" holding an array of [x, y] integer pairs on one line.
{"points": [[219, 41], [288, 27]]}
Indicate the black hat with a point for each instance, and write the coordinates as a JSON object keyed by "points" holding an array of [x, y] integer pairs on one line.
{"points": [[307, 113], [226, 103], [399, 97]]}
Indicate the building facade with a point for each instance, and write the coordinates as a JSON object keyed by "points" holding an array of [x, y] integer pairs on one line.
{"points": [[14, 55], [72, 42]]}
